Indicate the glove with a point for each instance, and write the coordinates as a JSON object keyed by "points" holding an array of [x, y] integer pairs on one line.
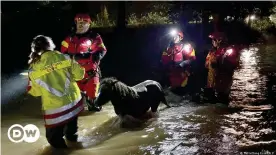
{"points": [[185, 63], [171, 44], [97, 56]]}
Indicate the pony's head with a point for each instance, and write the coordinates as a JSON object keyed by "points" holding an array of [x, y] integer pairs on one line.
{"points": [[106, 90]]}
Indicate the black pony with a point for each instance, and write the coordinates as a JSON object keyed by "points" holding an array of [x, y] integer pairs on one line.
{"points": [[134, 101]]}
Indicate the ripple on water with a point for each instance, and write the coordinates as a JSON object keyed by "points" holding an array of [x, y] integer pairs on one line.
{"points": [[247, 129], [193, 129]]}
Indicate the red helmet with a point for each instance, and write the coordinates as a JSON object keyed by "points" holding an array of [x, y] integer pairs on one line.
{"points": [[217, 35], [84, 17]]}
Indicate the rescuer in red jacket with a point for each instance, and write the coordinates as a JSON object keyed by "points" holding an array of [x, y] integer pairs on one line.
{"points": [[87, 48], [220, 62], [177, 59]]}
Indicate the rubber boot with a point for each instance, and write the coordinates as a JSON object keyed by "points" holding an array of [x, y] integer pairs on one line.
{"points": [[196, 97], [223, 98], [209, 95]]}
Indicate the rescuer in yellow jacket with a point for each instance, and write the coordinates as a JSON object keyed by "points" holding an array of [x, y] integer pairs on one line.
{"points": [[53, 76]]}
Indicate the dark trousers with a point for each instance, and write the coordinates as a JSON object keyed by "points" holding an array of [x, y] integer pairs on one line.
{"points": [[55, 135]]}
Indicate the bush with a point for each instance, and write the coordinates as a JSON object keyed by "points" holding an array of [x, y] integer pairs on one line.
{"points": [[159, 15], [156, 13], [265, 23], [133, 20], [151, 18], [262, 24], [272, 17], [102, 19]]}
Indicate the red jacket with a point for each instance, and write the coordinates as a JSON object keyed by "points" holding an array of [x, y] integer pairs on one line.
{"points": [[178, 53], [214, 56], [225, 58], [90, 44]]}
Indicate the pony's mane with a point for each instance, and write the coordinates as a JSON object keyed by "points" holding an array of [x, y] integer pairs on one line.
{"points": [[119, 87], [109, 80]]}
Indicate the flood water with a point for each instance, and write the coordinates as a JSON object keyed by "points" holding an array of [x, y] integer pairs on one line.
{"points": [[188, 129]]}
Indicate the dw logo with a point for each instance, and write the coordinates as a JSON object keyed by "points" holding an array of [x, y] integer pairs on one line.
{"points": [[17, 133]]}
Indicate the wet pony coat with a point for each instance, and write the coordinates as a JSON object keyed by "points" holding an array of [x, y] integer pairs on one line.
{"points": [[134, 101]]}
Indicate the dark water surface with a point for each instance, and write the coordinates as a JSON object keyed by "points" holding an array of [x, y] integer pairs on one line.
{"points": [[188, 129]]}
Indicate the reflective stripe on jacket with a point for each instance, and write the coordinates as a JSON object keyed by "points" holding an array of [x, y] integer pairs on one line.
{"points": [[54, 78]]}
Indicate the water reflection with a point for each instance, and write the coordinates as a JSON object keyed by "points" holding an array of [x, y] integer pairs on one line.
{"points": [[216, 129], [180, 134], [187, 129], [249, 88], [248, 85], [249, 130]]}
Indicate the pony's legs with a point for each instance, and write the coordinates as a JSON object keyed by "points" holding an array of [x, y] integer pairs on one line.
{"points": [[129, 121], [154, 106], [163, 100]]}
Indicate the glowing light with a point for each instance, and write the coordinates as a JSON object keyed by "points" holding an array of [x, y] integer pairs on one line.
{"points": [[229, 51], [252, 17], [187, 47], [24, 73], [12, 87], [88, 42], [173, 32]]}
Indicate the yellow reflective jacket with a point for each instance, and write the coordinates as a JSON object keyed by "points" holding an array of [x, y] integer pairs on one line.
{"points": [[54, 78]]}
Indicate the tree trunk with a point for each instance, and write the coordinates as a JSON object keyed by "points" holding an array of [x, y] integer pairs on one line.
{"points": [[204, 25], [215, 22]]}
